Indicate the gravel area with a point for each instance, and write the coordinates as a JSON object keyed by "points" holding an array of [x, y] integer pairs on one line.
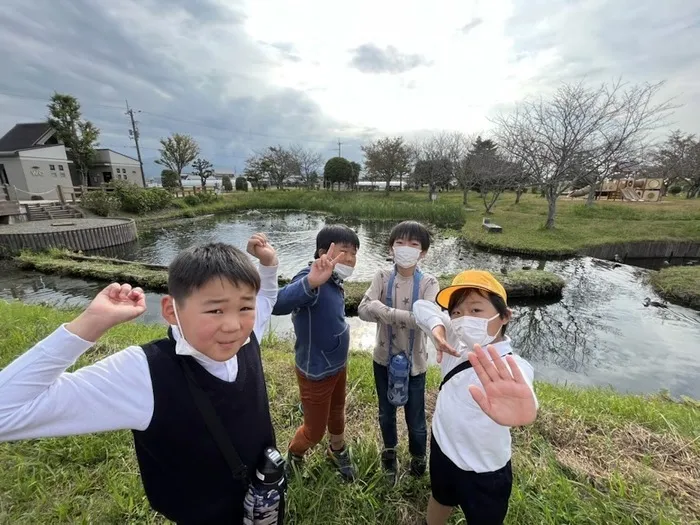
{"points": [[68, 225]]}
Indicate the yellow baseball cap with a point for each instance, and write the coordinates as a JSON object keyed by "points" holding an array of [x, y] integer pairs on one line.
{"points": [[478, 279]]}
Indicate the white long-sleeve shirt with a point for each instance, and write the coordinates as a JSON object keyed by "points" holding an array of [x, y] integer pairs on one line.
{"points": [[38, 398], [471, 439]]}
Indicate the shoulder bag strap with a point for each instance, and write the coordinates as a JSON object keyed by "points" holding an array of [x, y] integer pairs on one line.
{"points": [[390, 303], [464, 365], [216, 428]]}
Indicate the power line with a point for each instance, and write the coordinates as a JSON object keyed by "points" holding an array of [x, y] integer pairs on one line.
{"points": [[188, 121]]}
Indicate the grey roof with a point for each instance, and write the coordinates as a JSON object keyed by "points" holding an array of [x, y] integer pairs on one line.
{"points": [[23, 136]]}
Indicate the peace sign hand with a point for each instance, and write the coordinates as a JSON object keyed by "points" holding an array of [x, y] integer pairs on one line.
{"points": [[506, 397], [322, 268]]}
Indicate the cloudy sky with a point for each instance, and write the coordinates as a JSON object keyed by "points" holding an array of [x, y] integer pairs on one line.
{"points": [[241, 75]]}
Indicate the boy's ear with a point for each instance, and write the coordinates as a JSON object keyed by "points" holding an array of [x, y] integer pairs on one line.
{"points": [[167, 309]]}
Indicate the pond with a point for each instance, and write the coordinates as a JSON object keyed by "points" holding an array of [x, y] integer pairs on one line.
{"points": [[599, 333]]}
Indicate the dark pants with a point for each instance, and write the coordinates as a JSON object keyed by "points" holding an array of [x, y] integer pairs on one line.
{"points": [[483, 497], [414, 410]]}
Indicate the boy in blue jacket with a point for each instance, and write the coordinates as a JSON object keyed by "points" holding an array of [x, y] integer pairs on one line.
{"points": [[316, 299]]}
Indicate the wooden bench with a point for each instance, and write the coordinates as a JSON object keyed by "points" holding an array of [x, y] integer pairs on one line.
{"points": [[491, 227]]}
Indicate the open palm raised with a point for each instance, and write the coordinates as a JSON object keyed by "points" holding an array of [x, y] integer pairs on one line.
{"points": [[506, 397]]}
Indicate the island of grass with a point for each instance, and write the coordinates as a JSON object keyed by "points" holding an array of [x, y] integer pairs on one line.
{"points": [[592, 456], [518, 284], [680, 285]]}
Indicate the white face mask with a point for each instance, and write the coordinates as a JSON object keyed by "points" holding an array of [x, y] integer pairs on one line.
{"points": [[343, 271], [473, 330], [182, 347], [406, 256]]}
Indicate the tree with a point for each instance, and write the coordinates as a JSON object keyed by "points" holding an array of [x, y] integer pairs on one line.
{"points": [[254, 172], [169, 179], [355, 177], [278, 165], [177, 152], [203, 169], [308, 163], [337, 170], [77, 135], [226, 184], [435, 160], [577, 126], [387, 159], [241, 184], [678, 160]]}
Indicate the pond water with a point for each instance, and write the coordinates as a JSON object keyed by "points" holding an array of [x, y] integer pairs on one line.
{"points": [[599, 333]]}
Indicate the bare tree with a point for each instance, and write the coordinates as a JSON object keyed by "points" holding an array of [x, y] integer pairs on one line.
{"points": [[387, 159], [578, 126], [279, 165], [309, 163], [678, 160]]}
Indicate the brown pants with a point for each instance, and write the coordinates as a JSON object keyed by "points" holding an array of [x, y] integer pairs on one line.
{"points": [[324, 407]]}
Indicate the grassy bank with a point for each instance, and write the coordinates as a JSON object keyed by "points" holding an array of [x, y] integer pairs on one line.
{"points": [[518, 284], [592, 457], [577, 226], [347, 205], [680, 285]]}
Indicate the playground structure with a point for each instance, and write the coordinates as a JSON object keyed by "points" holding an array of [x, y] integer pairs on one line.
{"points": [[635, 190]]}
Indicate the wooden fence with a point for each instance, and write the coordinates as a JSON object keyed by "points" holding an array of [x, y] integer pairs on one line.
{"points": [[73, 194]]}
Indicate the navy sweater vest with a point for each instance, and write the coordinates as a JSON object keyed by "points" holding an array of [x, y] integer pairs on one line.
{"points": [[184, 473]]}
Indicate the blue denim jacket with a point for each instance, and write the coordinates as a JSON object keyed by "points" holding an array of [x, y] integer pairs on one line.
{"points": [[322, 335]]}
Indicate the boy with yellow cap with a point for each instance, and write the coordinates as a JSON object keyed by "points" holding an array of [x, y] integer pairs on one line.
{"points": [[481, 396]]}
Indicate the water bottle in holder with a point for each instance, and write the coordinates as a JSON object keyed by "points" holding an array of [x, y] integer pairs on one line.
{"points": [[264, 501]]}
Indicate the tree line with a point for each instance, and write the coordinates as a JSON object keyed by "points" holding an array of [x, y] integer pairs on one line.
{"points": [[574, 138]]}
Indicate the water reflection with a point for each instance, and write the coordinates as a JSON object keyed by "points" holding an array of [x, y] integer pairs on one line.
{"points": [[598, 334]]}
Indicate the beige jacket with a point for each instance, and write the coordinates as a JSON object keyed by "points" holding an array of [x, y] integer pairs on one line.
{"points": [[373, 308]]}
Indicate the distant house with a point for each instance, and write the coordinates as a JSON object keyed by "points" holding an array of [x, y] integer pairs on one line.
{"points": [[110, 165], [32, 162]]}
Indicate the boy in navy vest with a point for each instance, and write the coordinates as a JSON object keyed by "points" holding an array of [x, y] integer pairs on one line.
{"points": [[388, 302], [217, 308], [316, 300]]}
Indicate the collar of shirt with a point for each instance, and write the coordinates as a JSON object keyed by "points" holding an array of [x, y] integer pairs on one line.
{"points": [[224, 370]]}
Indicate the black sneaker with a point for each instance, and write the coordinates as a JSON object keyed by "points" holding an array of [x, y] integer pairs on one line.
{"points": [[293, 465], [390, 466], [341, 460], [418, 466]]}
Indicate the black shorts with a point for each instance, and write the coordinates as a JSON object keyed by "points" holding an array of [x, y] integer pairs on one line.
{"points": [[483, 497]]}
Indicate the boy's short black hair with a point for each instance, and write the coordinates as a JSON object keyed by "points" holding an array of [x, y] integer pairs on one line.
{"points": [[413, 231], [496, 300], [338, 234], [196, 266]]}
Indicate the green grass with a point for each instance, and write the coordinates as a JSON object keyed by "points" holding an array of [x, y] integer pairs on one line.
{"points": [[592, 456], [577, 226], [679, 284], [518, 284]]}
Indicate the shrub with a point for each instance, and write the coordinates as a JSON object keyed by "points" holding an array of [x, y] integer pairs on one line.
{"points": [[203, 197], [134, 199], [675, 190], [226, 183], [241, 184], [100, 203], [36, 198], [169, 179]]}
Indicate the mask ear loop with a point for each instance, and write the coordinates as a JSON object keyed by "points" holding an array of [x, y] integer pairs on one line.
{"points": [[177, 319]]}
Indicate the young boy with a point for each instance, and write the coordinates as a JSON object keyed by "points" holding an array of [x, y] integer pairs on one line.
{"points": [[388, 302], [217, 307], [470, 448], [316, 299]]}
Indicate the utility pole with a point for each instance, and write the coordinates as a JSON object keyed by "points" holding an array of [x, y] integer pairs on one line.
{"points": [[134, 133], [339, 143]]}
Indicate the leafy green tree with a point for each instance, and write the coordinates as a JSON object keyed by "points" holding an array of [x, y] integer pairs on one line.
{"points": [[169, 179], [226, 183], [337, 170], [79, 136], [177, 152], [203, 169], [388, 159]]}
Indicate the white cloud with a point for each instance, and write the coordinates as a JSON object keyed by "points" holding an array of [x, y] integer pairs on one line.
{"points": [[239, 75]]}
